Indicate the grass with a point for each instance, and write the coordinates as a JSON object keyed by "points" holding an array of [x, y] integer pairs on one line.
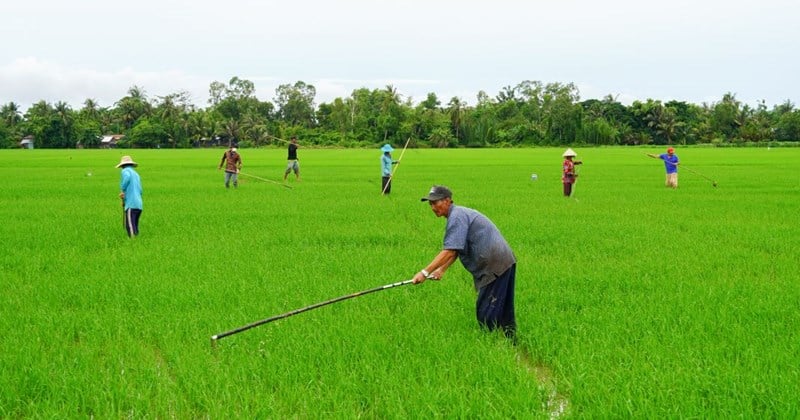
{"points": [[632, 299]]}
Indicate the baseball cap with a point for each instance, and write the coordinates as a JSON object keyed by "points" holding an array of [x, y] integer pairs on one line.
{"points": [[670, 150], [437, 192]]}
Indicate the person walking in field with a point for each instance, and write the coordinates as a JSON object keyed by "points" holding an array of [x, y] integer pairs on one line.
{"points": [[569, 176], [671, 163], [475, 240], [130, 186], [386, 168], [293, 164], [233, 164]]}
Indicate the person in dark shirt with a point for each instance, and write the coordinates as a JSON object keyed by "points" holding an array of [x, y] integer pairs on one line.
{"points": [[293, 163]]}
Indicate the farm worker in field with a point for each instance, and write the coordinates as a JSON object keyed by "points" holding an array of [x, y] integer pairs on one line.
{"points": [[293, 163], [476, 241], [671, 163], [568, 176], [130, 186], [233, 164], [386, 168]]}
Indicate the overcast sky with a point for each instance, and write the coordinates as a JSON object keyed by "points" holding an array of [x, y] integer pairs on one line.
{"points": [[689, 50]]}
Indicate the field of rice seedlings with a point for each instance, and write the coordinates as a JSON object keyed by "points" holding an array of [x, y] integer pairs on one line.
{"points": [[633, 300]]}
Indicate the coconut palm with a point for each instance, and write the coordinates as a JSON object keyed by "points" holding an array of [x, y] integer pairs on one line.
{"points": [[11, 114]]}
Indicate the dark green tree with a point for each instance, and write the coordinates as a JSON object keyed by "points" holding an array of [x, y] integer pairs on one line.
{"points": [[724, 117], [296, 104], [145, 134], [788, 126]]}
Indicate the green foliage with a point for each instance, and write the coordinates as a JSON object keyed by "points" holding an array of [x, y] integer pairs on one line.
{"points": [[529, 113], [145, 134], [600, 132], [6, 137], [87, 132], [788, 126], [296, 103]]}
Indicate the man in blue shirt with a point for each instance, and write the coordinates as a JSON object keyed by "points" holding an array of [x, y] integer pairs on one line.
{"points": [[671, 163], [130, 186], [476, 241]]}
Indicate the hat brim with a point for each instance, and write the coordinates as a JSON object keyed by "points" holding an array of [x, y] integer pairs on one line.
{"points": [[121, 164], [432, 197]]}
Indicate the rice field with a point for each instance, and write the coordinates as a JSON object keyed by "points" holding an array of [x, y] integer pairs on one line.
{"points": [[633, 300]]}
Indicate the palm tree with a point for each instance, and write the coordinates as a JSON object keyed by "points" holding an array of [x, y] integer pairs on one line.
{"points": [[133, 107], [253, 127], [64, 117], [136, 92], [231, 130], [508, 94], [11, 114], [455, 108], [90, 108]]}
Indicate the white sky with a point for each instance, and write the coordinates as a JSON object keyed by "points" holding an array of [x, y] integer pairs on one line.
{"points": [[690, 50]]}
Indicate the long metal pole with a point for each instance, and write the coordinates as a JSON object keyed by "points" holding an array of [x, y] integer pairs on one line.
{"points": [[266, 180], [216, 337], [714, 183], [395, 168], [278, 138]]}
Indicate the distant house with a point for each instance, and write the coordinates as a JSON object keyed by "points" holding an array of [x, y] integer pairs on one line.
{"points": [[110, 141], [26, 142]]}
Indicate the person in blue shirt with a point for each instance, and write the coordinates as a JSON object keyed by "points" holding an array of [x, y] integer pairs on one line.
{"points": [[475, 240], [386, 168], [671, 163], [130, 186]]}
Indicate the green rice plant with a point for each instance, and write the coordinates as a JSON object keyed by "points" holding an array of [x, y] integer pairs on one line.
{"points": [[633, 300]]}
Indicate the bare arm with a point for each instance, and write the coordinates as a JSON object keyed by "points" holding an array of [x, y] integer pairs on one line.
{"points": [[436, 269]]}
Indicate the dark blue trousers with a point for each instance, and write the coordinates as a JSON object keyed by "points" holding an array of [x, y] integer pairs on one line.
{"points": [[386, 184], [495, 305], [131, 221]]}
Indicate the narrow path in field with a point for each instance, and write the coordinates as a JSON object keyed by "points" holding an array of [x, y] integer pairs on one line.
{"points": [[557, 403], [162, 365]]}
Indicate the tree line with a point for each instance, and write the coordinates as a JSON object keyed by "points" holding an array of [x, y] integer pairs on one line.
{"points": [[531, 113]]}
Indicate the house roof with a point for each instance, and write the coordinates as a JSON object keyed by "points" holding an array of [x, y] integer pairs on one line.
{"points": [[111, 138]]}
